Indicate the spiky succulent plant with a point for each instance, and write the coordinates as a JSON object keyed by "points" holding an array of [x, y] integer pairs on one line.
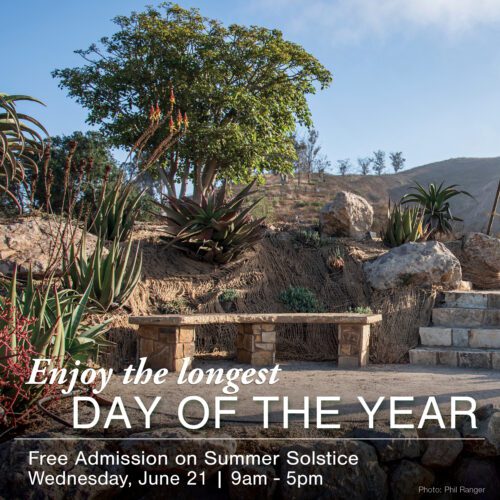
{"points": [[21, 143], [436, 206], [215, 230], [404, 225], [117, 210], [112, 276]]}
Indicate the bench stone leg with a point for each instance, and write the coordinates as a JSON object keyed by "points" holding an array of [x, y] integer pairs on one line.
{"points": [[353, 345], [166, 346], [256, 344]]}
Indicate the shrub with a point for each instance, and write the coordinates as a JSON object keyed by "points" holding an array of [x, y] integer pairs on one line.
{"points": [[361, 310], [178, 305], [404, 225], [214, 230], [111, 278], [300, 299], [117, 210], [435, 204], [313, 238], [229, 295]]}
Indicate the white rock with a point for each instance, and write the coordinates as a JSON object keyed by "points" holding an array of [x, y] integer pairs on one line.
{"points": [[347, 215], [419, 264]]}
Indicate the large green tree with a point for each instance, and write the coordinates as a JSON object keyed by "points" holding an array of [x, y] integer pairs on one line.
{"points": [[91, 147], [243, 88]]}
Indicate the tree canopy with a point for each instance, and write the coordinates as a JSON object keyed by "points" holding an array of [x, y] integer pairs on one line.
{"points": [[243, 88], [91, 147]]}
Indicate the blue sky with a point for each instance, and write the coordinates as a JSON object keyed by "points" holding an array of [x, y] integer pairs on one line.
{"points": [[420, 76]]}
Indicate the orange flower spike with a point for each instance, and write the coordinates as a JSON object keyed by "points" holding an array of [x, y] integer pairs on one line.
{"points": [[172, 96], [171, 124], [179, 118], [186, 121], [158, 111], [151, 113]]}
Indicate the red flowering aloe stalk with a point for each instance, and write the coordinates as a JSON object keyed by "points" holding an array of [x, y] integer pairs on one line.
{"points": [[17, 399]]}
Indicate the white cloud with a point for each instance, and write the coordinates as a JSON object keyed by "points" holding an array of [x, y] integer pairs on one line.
{"points": [[354, 19]]}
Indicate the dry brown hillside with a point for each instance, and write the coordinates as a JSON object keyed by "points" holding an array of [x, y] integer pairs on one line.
{"points": [[301, 203]]}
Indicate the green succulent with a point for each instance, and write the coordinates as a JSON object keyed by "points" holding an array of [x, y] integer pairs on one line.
{"points": [[404, 225], [214, 230], [435, 204], [111, 276], [117, 211], [300, 299], [56, 321]]}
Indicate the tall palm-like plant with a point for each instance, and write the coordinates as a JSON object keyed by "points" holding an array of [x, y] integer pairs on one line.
{"points": [[21, 143], [435, 202]]}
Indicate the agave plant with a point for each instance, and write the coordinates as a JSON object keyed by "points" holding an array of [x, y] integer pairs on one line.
{"points": [[214, 230], [56, 326], [21, 142], [110, 277], [117, 210], [435, 204], [404, 225]]}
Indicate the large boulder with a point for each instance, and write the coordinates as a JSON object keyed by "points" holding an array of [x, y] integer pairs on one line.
{"points": [[391, 446], [347, 215], [487, 434], [36, 242], [481, 260], [442, 446], [420, 264], [408, 479]]}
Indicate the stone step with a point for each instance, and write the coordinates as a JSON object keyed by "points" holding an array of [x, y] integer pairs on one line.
{"points": [[434, 336], [463, 357], [463, 317], [473, 300]]}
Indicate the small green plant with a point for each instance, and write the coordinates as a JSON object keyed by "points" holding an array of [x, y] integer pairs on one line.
{"points": [[336, 259], [178, 305], [313, 238], [229, 295], [435, 203], [117, 210], [112, 277], [404, 225], [361, 310], [300, 299], [300, 204], [215, 230]]}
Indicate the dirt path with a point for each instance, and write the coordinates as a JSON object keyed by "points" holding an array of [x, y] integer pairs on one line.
{"points": [[300, 379]]}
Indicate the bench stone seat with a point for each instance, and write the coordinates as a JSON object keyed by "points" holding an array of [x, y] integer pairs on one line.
{"points": [[168, 340]]}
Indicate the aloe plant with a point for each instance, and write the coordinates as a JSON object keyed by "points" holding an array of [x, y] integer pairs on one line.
{"points": [[404, 225], [111, 277], [57, 330], [117, 210], [434, 201], [214, 230], [21, 143]]}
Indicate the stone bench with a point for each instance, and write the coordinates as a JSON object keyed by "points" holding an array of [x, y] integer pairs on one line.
{"points": [[168, 339]]}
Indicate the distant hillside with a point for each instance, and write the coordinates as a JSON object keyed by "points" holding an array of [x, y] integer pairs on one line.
{"points": [[295, 202]]}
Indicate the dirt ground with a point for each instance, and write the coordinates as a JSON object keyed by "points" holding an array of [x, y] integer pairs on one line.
{"points": [[299, 379]]}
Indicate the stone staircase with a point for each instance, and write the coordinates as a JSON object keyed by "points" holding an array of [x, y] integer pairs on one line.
{"points": [[465, 332]]}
